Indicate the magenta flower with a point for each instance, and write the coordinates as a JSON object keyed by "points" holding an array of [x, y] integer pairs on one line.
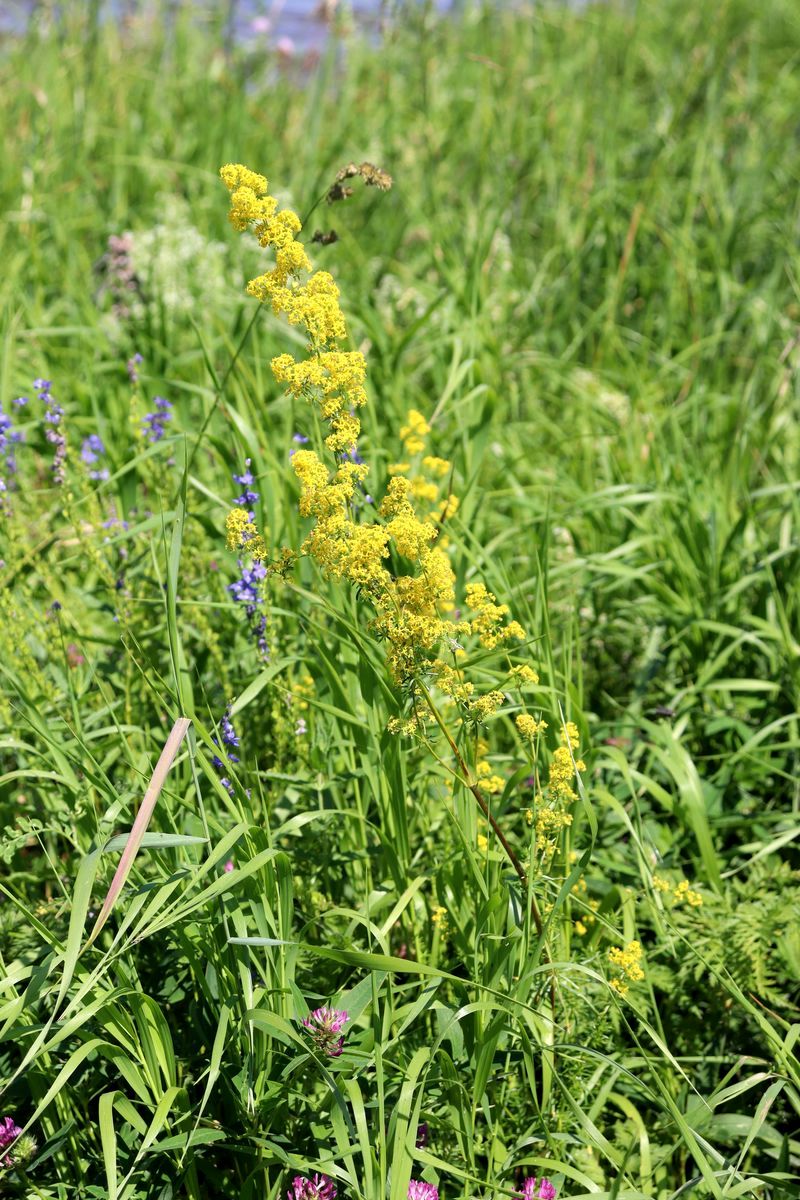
{"points": [[537, 1190], [319, 1187], [418, 1189], [9, 1132], [324, 1024]]}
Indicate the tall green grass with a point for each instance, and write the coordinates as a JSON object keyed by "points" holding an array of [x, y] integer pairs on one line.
{"points": [[585, 276]]}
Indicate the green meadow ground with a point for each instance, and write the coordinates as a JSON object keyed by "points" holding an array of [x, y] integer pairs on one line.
{"points": [[586, 278]]}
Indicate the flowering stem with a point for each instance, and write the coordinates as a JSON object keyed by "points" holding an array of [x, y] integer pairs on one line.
{"points": [[513, 858]]}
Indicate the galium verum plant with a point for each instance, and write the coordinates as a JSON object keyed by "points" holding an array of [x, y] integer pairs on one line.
{"points": [[395, 551]]}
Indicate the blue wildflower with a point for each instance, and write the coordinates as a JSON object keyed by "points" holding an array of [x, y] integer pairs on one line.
{"points": [[229, 738], [9, 437], [246, 481], [245, 589], [54, 434], [92, 451], [154, 423]]}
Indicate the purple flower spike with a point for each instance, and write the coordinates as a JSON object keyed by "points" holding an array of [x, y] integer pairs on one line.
{"points": [[246, 590], [131, 366], [418, 1189], [324, 1024], [422, 1136], [154, 424], [319, 1187], [9, 438], [229, 735], [229, 738], [53, 432]]}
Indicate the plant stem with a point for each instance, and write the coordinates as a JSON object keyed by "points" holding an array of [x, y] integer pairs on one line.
{"points": [[511, 853]]}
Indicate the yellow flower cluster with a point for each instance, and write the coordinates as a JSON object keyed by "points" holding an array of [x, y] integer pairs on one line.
{"points": [[582, 923], [524, 674], [550, 815], [680, 893], [411, 604], [627, 962], [425, 484], [488, 621], [490, 784], [439, 920], [414, 432], [241, 532], [529, 727], [563, 767]]}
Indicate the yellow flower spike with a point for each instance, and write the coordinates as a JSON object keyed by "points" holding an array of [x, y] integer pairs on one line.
{"points": [[411, 607]]}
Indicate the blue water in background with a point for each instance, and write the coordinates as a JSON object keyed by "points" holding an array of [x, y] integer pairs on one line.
{"points": [[291, 27]]}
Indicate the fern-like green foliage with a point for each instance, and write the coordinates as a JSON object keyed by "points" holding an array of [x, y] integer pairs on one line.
{"points": [[752, 933]]}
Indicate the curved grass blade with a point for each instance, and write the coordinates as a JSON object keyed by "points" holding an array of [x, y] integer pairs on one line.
{"points": [[177, 734]]}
